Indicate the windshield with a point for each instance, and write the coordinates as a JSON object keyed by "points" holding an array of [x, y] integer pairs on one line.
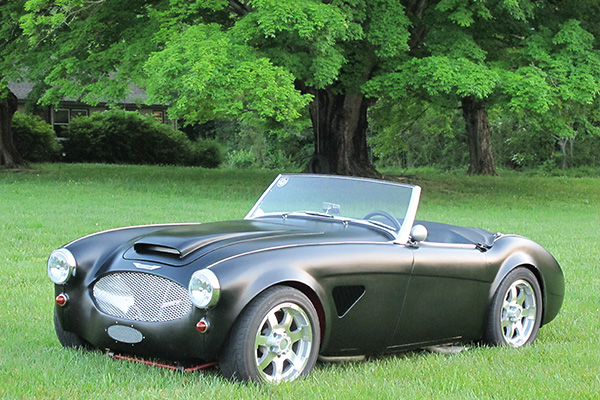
{"points": [[340, 197]]}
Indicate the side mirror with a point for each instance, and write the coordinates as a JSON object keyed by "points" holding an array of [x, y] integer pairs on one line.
{"points": [[418, 233]]}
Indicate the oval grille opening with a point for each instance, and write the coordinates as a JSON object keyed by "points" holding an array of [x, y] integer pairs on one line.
{"points": [[125, 334], [141, 297]]}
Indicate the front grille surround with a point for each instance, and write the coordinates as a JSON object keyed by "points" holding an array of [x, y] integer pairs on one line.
{"points": [[139, 296]]}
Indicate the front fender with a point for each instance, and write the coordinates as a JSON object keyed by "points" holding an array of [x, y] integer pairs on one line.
{"points": [[245, 276], [512, 251]]}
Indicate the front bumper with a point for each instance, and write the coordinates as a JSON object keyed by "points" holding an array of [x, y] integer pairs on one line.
{"points": [[171, 340]]}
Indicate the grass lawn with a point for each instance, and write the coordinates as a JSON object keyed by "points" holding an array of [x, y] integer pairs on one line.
{"points": [[50, 205]]}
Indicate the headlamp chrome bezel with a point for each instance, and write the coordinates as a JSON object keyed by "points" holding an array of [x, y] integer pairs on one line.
{"points": [[61, 266], [204, 288]]}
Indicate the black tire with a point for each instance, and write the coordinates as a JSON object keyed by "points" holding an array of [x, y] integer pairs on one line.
{"points": [[515, 313], [279, 325], [69, 339]]}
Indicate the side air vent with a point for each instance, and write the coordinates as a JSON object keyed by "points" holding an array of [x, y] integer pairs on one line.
{"points": [[345, 297]]}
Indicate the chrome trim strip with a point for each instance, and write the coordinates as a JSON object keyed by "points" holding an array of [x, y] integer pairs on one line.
{"points": [[426, 343], [289, 246], [267, 191], [411, 213], [448, 245]]}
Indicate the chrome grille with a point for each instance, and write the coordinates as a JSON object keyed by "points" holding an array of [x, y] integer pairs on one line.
{"points": [[141, 297]]}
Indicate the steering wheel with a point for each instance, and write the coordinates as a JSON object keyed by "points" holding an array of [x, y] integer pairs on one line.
{"points": [[394, 222]]}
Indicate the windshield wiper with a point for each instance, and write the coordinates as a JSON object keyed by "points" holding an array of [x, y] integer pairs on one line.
{"points": [[318, 214]]}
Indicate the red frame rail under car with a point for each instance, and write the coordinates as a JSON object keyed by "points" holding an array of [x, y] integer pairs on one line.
{"points": [[160, 365]]}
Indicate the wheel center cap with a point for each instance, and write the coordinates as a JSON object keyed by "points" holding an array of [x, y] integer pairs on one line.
{"points": [[515, 311], [284, 344], [280, 343]]}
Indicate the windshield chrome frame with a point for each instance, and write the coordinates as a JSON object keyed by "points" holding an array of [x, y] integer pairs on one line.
{"points": [[401, 237]]}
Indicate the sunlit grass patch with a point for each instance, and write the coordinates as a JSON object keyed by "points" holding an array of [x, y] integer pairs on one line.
{"points": [[50, 205]]}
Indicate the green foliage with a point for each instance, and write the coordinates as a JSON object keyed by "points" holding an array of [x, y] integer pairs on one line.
{"points": [[251, 147], [258, 61], [417, 134], [523, 143], [217, 77], [126, 137], [215, 59], [13, 46], [205, 153], [90, 50], [241, 159], [34, 139]]}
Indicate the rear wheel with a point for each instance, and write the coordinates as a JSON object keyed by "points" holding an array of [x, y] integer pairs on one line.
{"points": [[276, 338], [516, 311], [69, 339]]}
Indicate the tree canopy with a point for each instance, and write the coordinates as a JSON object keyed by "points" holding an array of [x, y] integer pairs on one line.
{"points": [[279, 62]]}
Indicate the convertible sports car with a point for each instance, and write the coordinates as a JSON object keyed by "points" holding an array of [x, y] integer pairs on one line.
{"points": [[325, 266]]}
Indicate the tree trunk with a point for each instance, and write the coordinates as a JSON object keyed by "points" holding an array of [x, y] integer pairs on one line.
{"points": [[562, 142], [340, 127], [478, 137], [9, 157]]}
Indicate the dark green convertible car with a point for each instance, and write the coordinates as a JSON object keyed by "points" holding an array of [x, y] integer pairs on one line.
{"points": [[322, 266]]}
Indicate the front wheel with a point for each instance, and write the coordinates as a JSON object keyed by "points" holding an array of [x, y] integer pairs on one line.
{"points": [[69, 339], [516, 311], [275, 339]]}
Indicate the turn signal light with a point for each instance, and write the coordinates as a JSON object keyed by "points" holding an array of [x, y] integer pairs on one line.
{"points": [[202, 326], [61, 299]]}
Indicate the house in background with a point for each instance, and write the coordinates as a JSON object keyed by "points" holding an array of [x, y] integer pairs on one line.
{"points": [[60, 116]]}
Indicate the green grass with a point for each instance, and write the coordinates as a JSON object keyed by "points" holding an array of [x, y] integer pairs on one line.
{"points": [[49, 205]]}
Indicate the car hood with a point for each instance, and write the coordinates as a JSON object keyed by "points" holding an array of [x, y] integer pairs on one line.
{"points": [[179, 245]]}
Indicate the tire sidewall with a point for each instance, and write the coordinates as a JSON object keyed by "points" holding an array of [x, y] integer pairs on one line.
{"points": [[249, 322], [494, 334], [69, 339]]}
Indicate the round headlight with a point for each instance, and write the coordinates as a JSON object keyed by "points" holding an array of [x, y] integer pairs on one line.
{"points": [[204, 288], [61, 266]]}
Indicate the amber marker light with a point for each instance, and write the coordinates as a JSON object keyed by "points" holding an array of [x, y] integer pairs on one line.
{"points": [[202, 325], [61, 299]]}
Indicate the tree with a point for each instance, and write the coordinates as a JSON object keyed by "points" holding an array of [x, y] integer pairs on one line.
{"points": [[268, 58], [271, 50], [561, 83], [10, 40], [528, 56], [273, 62]]}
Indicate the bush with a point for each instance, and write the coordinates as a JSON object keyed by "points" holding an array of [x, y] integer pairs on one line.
{"points": [[205, 153], [129, 138], [241, 159], [34, 139]]}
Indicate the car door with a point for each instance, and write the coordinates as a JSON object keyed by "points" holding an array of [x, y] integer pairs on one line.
{"points": [[447, 295], [366, 286]]}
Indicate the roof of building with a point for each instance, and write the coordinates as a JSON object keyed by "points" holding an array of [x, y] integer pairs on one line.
{"points": [[22, 90]]}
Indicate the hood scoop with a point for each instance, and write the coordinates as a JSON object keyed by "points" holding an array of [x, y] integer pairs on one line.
{"points": [[172, 245]]}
